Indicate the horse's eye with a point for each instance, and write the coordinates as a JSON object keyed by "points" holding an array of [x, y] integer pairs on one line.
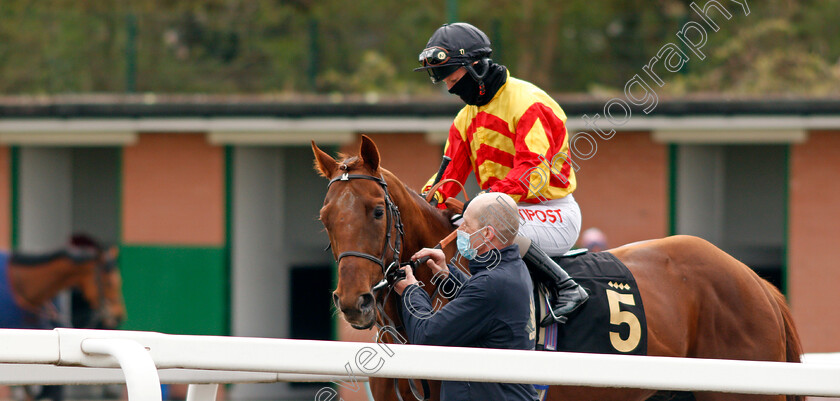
{"points": [[378, 212]]}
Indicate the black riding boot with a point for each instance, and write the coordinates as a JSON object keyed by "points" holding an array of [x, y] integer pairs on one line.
{"points": [[565, 295]]}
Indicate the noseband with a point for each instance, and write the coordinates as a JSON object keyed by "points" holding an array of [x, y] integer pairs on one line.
{"points": [[392, 212]]}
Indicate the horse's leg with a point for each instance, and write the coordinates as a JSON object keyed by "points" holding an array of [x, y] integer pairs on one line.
{"points": [[672, 396], [382, 389], [704, 396], [435, 387]]}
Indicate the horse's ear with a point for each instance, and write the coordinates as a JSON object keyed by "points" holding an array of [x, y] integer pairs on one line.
{"points": [[369, 153], [324, 163], [112, 252]]}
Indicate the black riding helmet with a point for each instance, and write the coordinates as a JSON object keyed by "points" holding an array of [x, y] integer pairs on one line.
{"points": [[453, 46]]}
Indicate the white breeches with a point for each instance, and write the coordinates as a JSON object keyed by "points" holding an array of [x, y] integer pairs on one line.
{"points": [[553, 225]]}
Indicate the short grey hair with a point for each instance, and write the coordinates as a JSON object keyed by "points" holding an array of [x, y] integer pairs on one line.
{"points": [[497, 210]]}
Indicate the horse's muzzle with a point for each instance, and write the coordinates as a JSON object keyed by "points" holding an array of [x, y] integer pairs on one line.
{"points": [[362, 314]]}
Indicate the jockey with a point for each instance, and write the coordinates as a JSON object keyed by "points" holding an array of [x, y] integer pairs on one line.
{"points": [[513, 136]]}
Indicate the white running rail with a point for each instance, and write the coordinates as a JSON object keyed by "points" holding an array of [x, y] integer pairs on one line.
{"points": [[141, 376], [142, 354]]}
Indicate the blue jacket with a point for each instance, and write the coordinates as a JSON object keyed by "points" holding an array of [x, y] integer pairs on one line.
{"points": [[492, 309]]}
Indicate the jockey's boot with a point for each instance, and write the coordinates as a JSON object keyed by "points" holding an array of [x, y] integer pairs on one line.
{"points": [[565, 295]]}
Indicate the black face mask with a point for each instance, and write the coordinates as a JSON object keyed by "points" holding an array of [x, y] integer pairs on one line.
{"points": [[479, 94], [467, 89]]}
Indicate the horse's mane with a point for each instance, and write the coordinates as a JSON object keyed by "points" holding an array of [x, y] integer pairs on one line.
{"points": [[88, 247], [355, 162], [82, 240], [351, 162], [443, 215], [36, 259]]}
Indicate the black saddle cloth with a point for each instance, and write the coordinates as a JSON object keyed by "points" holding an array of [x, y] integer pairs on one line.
{"points": [[613, 320]]}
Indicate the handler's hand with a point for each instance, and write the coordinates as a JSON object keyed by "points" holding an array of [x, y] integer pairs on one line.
{"points": [[436, 262], [409, 279]]}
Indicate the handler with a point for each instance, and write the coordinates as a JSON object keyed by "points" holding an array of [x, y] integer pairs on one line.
{"points": [[494, 308], [513, 136]]}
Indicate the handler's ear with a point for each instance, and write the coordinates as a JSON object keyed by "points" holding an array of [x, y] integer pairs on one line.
{"points": [[487, 233]]}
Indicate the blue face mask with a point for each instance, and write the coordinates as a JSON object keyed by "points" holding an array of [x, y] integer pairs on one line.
{"points": [[464, 246]]}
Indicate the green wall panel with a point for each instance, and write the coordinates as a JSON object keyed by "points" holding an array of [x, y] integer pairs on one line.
{"points": [[175, 289]]}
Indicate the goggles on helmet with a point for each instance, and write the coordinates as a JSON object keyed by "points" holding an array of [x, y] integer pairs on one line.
{"points": [[438, 63], [433, 56]]}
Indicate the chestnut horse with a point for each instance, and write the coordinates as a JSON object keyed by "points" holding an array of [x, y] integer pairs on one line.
{"points": [[29, 282], [699, 301]]}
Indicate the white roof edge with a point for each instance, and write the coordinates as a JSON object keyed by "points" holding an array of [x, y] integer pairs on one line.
{"points": [[398, 124], [708, 123], [268, 130]]}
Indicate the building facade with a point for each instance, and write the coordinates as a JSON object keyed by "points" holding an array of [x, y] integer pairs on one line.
{"points": [[215, 205]]}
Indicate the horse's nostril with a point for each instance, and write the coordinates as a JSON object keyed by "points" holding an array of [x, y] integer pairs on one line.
{"points": [[365, 301], [336, 301]]}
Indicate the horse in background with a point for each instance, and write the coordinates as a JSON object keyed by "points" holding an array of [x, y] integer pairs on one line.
{"points": [[699, 301], [30, 282]]}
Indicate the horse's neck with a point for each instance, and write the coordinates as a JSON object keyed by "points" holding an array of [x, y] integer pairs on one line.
{"points": [[424, 227], [423, 224], [36, 285]]}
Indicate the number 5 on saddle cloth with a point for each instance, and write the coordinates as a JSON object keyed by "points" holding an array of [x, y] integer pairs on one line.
{"points": [[611, 322]]}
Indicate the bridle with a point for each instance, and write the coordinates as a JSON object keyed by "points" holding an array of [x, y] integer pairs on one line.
{"points": [[392, 272], [392, 212], [101, 313]]}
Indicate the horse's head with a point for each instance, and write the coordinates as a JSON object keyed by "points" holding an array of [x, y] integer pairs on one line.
{"points": [[363, 226], [99, 286]]}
